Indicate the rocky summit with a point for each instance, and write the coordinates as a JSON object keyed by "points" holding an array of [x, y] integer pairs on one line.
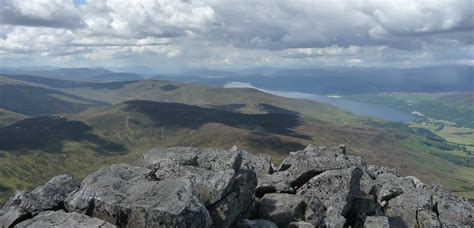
{"points": [[191, 187]]}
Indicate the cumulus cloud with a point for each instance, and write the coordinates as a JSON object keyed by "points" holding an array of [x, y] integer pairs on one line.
{"points": [[40, 13], [239, 33]]}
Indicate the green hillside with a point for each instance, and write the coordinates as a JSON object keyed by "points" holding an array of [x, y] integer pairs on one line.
{"points": [[35, 149], [7, 117], [38, 100]]}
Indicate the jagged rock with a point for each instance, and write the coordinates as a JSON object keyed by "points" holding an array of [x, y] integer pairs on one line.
{"points": [[335, 190], [315, 212], [257, 223], [224, 181], [366, 184], [374, 170], [403, 200], [50, 196], [261, 163], [130, 196], [361, 207], [300, 225], [376, 222], [427, 218], [190, 187], [237, 205], [281, 208], [61, 219], [303, 165], [276, 182], [452, 211]]}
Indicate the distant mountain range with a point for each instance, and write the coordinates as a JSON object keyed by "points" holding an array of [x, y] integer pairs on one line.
{"points": [[343, 80], [76, 74]]}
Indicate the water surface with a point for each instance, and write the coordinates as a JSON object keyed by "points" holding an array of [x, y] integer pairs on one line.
{"points": [[356, 107]]}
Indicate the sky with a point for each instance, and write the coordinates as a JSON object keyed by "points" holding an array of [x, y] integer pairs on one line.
{"points": [[168, 35]]}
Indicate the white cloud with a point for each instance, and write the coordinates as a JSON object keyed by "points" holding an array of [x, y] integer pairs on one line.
{"points": [[237, 33]]}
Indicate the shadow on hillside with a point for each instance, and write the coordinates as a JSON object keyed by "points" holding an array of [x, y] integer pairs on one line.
{"points": [[181, 115], [49, 133], [38, 101], [66, 84]]}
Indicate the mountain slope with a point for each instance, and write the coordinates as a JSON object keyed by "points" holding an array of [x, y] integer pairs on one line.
{"points": [[7, 117], [36, 149]]}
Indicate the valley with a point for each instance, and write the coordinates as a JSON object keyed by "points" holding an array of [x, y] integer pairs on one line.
{"points": [[118, 121]]}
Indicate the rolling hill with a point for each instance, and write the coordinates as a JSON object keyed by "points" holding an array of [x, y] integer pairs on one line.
{"points": [[7, 117], [33, 150], [37, 101], [77, 74]]}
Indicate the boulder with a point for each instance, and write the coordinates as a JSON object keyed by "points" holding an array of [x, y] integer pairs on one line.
{"points": [[50, 196], [281, 208], [376, 222], [300, 224], [130, 196], [335, 190], [224, 181], [303, 165], [61, 219], [452, 211], [257, 223], [271, 183], [362, 206], [402, 201]]}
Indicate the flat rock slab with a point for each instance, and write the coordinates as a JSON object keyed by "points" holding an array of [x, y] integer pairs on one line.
{"points": [[281, 208], [128, 196], [61, 219]]}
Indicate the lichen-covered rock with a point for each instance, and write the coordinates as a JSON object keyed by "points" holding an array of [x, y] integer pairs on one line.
{"points": [[335, 189], [376, 222], [303, 165], [363, 206], [257, 223], [402, 200], [261, 163], [453, 211], [224, 181], [61, 219], [50, 196], [300, 224], [271, 183], [130, 196], [281, 208]]}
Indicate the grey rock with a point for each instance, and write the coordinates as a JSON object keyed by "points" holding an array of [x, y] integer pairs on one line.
{"points": [[281, 208], [224, 181], [61, 219], [271, 183], [236, 205], [335, 189], [453, 211], [427, 218], [303, 165], [47, 197], [315, 212], [376, 222], [375, 170], [130, 196], [257, 223], [403, 201], [300, 224], [361, 207]]}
